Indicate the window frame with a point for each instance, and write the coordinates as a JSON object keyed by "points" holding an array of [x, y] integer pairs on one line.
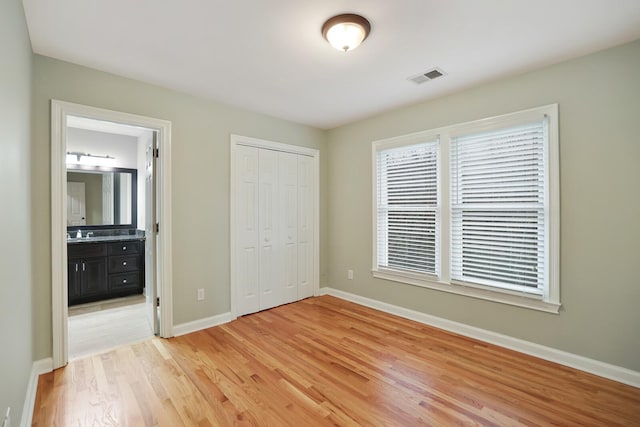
{"points": [[549, 301]]}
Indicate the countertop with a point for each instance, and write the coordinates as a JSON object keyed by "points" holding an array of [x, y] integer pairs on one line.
{"points": [[103, 239]]}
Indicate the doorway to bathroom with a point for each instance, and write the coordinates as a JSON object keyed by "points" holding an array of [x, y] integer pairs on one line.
{"points": [[110, 181]]}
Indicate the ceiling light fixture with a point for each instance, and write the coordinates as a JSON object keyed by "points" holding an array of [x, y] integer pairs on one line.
{"points": [[78, 155], [345, 32]]}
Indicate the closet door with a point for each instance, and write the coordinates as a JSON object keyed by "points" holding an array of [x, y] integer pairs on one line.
{"points": [[269, 239], [247, 230], [306, 218], [288, 186]]}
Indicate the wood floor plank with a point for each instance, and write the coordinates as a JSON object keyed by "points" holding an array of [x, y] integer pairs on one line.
{"points": [[326, 362]]}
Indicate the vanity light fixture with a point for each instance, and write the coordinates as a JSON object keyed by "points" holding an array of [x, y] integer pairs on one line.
{"points": [[78, 154], [345, 32]]}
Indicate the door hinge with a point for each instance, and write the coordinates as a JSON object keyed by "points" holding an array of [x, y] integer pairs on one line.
{"points": [[157, 227], [156, 152], [158, 302]]}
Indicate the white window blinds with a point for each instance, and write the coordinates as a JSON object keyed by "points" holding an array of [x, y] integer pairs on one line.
{"points": [[407, 208], [498, 208]]}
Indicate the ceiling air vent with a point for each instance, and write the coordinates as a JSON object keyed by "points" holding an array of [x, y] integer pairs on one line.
{"points": [[429, 75]]}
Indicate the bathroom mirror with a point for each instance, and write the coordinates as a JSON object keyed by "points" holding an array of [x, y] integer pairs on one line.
{"points": [[101, 197]]}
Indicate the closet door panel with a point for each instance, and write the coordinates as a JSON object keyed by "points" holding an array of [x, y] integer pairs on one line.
{"points": [[247, 230], [270, 295], [288, 184], [305, 226]]}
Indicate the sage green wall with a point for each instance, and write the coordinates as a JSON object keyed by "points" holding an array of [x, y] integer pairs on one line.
{"points": [[16, 293], [200, 179], [599, 102], [599, 98]]}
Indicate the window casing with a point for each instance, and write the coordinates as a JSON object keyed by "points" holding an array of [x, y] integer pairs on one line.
{"points": [[489, 212]]}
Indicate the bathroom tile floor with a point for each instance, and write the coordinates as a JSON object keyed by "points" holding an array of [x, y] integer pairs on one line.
{"points": [[98, 327]]}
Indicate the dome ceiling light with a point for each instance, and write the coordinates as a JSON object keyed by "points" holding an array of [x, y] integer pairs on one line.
{"points": [[345, 32]]}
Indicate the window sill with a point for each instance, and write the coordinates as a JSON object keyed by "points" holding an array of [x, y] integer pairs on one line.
{"points": [[530, 302]]}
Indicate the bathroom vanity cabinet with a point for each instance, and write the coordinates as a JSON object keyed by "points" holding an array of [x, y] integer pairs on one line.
{"points": [[100, 270]]}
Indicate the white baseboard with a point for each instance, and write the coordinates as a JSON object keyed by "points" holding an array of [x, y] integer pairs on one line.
{"points": [[39, 367], [613, 372], [198, 325]]}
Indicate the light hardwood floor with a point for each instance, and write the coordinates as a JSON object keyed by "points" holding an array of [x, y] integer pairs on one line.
{"points": [[324, 361]]}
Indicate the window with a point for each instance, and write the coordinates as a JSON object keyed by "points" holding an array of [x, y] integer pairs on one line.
{"points": [[489, 188], [497, 208], [408, 208]]}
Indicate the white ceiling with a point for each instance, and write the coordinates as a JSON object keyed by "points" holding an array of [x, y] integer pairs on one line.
{"points": [[269, 56]]}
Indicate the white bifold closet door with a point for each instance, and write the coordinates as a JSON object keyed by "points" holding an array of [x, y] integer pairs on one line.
{"points": [[305, 227], [274, 228], [269, 237], [288, 186], [247, 232]]}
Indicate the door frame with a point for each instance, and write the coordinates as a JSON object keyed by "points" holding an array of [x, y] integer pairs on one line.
{"points": [[247, 141], [59, 112]]}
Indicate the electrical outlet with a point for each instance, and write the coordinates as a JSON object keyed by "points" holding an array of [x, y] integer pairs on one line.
{"points": [[350, 274], [200, 294]]}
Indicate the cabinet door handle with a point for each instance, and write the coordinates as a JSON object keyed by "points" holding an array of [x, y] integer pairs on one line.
{"points": [[124, 248], [124, 281], [76, 267], [124, 262], [82, 265]]}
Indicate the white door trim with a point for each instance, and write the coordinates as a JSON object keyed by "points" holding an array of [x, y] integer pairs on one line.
{"points": [[59, 112], [276, 146]]}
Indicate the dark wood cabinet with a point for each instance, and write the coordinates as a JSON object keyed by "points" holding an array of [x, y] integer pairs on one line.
{"points": [[99, 271], [94, 277], [74, 279], [126, 267]]}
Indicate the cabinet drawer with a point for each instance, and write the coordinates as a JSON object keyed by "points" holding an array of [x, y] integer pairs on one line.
{"points": [[85, 250], [124, 281], [124, 248], [124, 263]]}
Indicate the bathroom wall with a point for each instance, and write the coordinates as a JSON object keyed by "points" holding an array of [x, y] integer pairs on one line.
{"points": [[122, 147], [141, 147]]}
